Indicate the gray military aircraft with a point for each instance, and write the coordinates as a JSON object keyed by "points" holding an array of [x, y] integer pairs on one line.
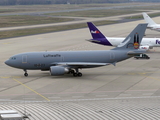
{"points": [[61, 62]]}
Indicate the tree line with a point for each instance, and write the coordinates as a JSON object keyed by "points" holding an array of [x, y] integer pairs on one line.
{"points": [[30, 2]]}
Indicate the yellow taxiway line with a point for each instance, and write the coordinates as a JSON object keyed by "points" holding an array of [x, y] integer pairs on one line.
{"points": [[31, 89]]}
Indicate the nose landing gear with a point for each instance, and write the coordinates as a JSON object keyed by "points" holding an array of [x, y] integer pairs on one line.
{"points": [[25, 74]]}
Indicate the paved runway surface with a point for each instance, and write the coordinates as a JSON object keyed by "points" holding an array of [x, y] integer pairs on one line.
{"points": [[129, 90]]}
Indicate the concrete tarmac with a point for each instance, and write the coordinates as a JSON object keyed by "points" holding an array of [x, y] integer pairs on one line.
{"points": [[128, 79]]}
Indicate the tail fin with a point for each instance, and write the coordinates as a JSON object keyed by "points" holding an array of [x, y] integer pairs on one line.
{"points": [[148, 19], [133, 40], [96, 34]]}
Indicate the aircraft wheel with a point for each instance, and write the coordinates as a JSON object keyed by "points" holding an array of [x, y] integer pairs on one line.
{"points": [[25, 74], [79, 74], [69, 72], [72, 71], [75, 74]]}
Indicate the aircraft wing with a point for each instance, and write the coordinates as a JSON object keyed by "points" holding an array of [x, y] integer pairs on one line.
{"points": [[132, 53], [81, 64]]}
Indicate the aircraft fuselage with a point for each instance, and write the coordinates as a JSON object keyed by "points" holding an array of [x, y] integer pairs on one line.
{"points": [[43, 60]]}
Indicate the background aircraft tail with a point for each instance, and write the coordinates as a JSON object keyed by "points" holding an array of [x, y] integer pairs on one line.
{"points": [[133, 40], [97, 36], [148, 19]]}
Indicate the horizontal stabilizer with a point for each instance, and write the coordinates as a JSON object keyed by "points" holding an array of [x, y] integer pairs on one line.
{"points": [[92, 40], [114, 63]]}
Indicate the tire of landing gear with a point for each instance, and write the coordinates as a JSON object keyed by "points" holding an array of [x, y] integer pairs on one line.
{"points": [[77, 74], [25, 74], [72, 71]]}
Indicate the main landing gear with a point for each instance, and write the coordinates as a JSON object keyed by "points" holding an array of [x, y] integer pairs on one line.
{"points": [[76, 73], [25, 74], [79, 74]]}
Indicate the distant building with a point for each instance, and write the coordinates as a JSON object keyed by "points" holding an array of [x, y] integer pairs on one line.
{"points": [[68, 3], [145, 0]]}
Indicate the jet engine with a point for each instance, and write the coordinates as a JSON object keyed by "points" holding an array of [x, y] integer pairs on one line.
{"points": [[144, 47], [58, 70]]}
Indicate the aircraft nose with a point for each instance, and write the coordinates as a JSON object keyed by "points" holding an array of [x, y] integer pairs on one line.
{"points": [[7, 62], [12, 63]]}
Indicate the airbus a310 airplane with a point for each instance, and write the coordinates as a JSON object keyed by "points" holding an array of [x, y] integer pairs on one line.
{"points": [[99, 38], [61, 62], [151, 24]]}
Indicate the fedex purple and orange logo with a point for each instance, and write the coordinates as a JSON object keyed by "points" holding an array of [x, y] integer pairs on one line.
{"points": [[96, 31], [157, 42]]}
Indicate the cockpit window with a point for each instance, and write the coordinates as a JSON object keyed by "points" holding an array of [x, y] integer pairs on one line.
{"points": [[12, 58]]}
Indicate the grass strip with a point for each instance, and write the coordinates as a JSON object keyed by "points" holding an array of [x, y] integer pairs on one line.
{"points": [[57, 7], [25, 32], [22, 20], [96, 13], [141, 16]]}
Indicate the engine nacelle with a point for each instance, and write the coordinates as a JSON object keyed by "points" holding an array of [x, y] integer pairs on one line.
{"points": [[58, 70], [144, 47]]}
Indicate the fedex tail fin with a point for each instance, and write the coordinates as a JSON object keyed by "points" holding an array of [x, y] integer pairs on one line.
{"points": [[133, 40], [148, 19], [97, 36]]}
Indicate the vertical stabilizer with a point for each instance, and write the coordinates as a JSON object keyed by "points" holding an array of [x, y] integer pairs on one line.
{"points": [[96, 34], [133, 40], [148, 19]]}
